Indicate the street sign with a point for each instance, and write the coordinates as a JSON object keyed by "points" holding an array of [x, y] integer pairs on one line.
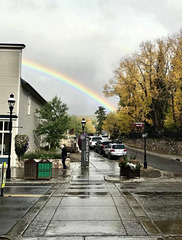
{"points": [[139, 124], [145, 135]]}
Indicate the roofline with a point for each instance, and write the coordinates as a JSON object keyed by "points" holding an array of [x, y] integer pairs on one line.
{"points": [[27, 86], [12, 46]]}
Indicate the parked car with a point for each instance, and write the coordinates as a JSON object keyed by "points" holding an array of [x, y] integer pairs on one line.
{"points": [[99, 147], [115, 150], [105, 137], [93, 141]]}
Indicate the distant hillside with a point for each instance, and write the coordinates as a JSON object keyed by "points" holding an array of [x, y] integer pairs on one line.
{"points": [[91, 117]]}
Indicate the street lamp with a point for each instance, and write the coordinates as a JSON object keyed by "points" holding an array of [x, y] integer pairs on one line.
{"points": [[145, 135], [11, 103], [83, 122]]}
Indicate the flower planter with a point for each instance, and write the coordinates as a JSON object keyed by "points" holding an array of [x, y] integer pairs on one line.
{"points": [[123, 171], [126, 171], [132, 174]]}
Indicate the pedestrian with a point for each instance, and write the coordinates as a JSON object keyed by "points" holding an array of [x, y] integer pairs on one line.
{"points": [[64, 155], [79, 143]]}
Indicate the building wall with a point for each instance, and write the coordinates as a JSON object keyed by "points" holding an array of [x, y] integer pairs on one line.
{"points": [[10, 70], [27, 100], [9, 78], [27, 116]]}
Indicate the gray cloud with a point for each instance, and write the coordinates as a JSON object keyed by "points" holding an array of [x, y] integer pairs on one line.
{"points": [[83, 39]]}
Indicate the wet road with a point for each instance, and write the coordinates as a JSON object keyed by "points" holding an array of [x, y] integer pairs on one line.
{"points": [[16, 202], [86, 206], [89, 208], [161, 163]]}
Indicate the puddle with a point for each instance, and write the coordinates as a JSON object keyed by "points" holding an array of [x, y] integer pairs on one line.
{"points": [[126, 193], [150, 227], [159, 193], [73, 184], [87, 193], [170, 226], [87, 188]]}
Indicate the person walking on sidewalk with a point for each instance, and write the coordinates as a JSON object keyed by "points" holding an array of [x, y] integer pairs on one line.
{"points": [[64, 155]]}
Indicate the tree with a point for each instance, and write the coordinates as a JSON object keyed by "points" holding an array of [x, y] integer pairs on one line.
{"points": [[142, 83], [53, 121], [175, 80], [101, 116], [118, 123], [75, 125], [21, 145]]}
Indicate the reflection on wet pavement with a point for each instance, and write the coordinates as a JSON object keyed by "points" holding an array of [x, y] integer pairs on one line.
{"points": [[87, 206]]}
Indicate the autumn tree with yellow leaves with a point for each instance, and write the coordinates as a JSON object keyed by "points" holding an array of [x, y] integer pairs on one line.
{"points": [[149, 86]]}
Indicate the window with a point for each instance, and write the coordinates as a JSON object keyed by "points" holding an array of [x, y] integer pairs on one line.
{"points": [[118, 147], [29, 104], [4, 138], [6, 144], [6, 126], [96, 139]]}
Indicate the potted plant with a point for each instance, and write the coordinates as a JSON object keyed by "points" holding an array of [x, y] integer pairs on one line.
{"points": [[133, 169], [122, 164], [129, 168], [21, 146]]}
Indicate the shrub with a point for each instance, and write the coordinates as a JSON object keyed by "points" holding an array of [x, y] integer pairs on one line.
{"points": [[41, 154]]}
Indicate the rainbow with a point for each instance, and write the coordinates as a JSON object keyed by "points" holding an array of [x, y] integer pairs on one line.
{"points": [[70, 81]]}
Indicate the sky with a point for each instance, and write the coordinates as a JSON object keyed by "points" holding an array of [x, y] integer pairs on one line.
{"points": [[83, 41]]}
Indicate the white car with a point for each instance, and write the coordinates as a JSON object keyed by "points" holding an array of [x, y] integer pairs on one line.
{"points": [[114, 150], [105, 137], [94, 140]]}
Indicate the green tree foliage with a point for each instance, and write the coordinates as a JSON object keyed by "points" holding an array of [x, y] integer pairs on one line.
{"points": [[101, 116], [111, 125], [21, 145], [53, 121], [149, 84], [118, 123], [75, 125]]}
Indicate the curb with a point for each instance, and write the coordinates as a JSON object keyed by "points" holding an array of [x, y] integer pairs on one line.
{"points": [[118, 179]]}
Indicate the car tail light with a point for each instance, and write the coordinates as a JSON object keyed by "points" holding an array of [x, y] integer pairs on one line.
{"points": [[124, 150], [90, 143], [102, 146], [112, 150]]}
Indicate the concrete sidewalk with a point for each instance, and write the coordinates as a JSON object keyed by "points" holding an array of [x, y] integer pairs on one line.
{"points": [[82, 205], [85, 208]]}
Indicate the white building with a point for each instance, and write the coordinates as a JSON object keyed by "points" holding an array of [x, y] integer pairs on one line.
{"points": [[27, 100]]}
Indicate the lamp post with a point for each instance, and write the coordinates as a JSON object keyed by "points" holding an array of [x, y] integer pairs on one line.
{"points": [[11, 103], [145, 138], [83, 122]]}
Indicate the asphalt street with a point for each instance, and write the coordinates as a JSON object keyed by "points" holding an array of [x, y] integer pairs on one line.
{"points": [[87, 207], [17, 200], [159, 161]]}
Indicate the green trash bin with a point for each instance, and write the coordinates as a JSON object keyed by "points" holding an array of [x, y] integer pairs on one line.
{"points": [[44, 169]]}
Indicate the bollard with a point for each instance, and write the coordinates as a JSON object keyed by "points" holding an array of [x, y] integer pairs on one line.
{"points": [[3, 177]]}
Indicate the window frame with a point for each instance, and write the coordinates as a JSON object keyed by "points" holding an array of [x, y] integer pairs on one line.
{"points": [[3, 132]]}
